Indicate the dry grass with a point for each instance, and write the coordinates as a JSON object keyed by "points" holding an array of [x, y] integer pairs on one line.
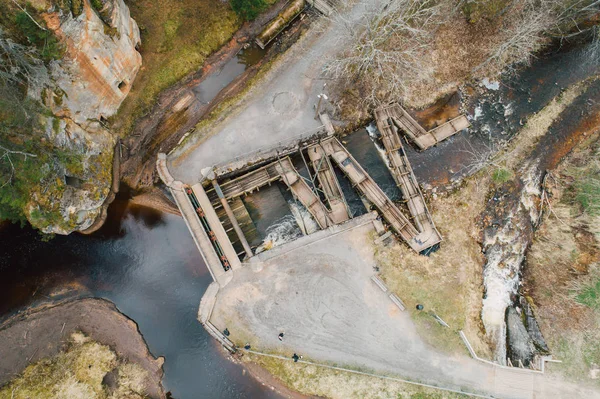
{"points": [[464, 45], [77, 373], [449, 281], [333, 384], [562, 267], [177, 36]]}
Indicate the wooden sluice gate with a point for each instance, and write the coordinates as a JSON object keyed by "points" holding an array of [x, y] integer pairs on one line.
{"points": [[303, 192], [418, 241], [329, 183], [247, 183], [244, 220], [330, 208], [403, 174], [405, 179], [281, 170], [422, 138]]}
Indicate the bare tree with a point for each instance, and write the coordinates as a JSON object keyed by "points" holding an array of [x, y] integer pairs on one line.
{"points": [[529, 25], [385, 48], [21, 65], [521, 34]]}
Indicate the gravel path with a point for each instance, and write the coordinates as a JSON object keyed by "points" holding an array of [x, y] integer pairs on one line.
{"points": [[322, 297], [280, 108]]}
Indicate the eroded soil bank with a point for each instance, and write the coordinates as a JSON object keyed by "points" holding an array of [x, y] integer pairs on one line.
{"points": [[509, 222], [43, 332]]}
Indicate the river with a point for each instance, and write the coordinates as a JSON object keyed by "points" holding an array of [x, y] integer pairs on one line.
{"points": [[147, 264]]}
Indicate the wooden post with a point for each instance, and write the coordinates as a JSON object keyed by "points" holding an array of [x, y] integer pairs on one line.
{"points": [[232, 219]]}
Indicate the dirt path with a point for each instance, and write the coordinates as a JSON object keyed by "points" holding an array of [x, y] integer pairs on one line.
{"points": [[42, 332]]}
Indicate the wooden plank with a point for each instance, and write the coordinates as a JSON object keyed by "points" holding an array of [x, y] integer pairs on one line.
{"points": [[397, 301], [329, 183], [303, 192], [379, 283], [363, 182]]}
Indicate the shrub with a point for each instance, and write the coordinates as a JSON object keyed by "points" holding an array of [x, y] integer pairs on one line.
{"points": [[248, 9]]}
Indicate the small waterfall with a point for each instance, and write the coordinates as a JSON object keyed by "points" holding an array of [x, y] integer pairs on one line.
{"points": [[283, 230], [375, 136], [304, 219], [505, 247], [289, 228]]}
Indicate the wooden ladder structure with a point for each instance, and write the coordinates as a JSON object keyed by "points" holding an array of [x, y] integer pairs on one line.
{"points": [[415, 132]]}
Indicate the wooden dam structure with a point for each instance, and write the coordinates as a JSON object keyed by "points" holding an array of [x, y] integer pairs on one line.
{"points": [[322, 196], [223, 227], [398, 117]]}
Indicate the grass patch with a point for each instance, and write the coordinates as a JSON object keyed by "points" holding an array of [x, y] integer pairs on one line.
{"points": [[587, 191], [590, 295], [562, 275], [78, 373], [334, 384], [177, 37], [448, 283], [501, 175]]}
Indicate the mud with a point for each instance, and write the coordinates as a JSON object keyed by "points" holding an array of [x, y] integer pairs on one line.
{"points": [[44, 331], [156, 199]]}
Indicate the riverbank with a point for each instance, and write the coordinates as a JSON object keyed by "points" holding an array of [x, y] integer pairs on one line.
{"points": [[201, 95], [43, 332], [562, 271]]}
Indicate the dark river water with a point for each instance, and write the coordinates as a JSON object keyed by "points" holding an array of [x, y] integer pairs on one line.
{"points": [[147, 264]]}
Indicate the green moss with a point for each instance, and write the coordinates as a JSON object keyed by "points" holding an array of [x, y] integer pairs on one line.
{"points": [[248, 9], [56, 125], [97, 5], [76, 7]]}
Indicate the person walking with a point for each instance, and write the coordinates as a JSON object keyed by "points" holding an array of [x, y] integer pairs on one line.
{"points": [[280, 336]]}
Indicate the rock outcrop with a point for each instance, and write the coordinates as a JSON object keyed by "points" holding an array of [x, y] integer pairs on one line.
{"points": [[89, 83], [100, 60]]}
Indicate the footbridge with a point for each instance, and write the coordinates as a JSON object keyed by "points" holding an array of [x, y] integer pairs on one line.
{"points": [[406, 181], [422, 138], [418, 239]]}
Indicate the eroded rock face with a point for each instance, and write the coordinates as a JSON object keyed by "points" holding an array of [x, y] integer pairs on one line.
{"points": [[89, 83], [100, 61], [86, 178]]}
